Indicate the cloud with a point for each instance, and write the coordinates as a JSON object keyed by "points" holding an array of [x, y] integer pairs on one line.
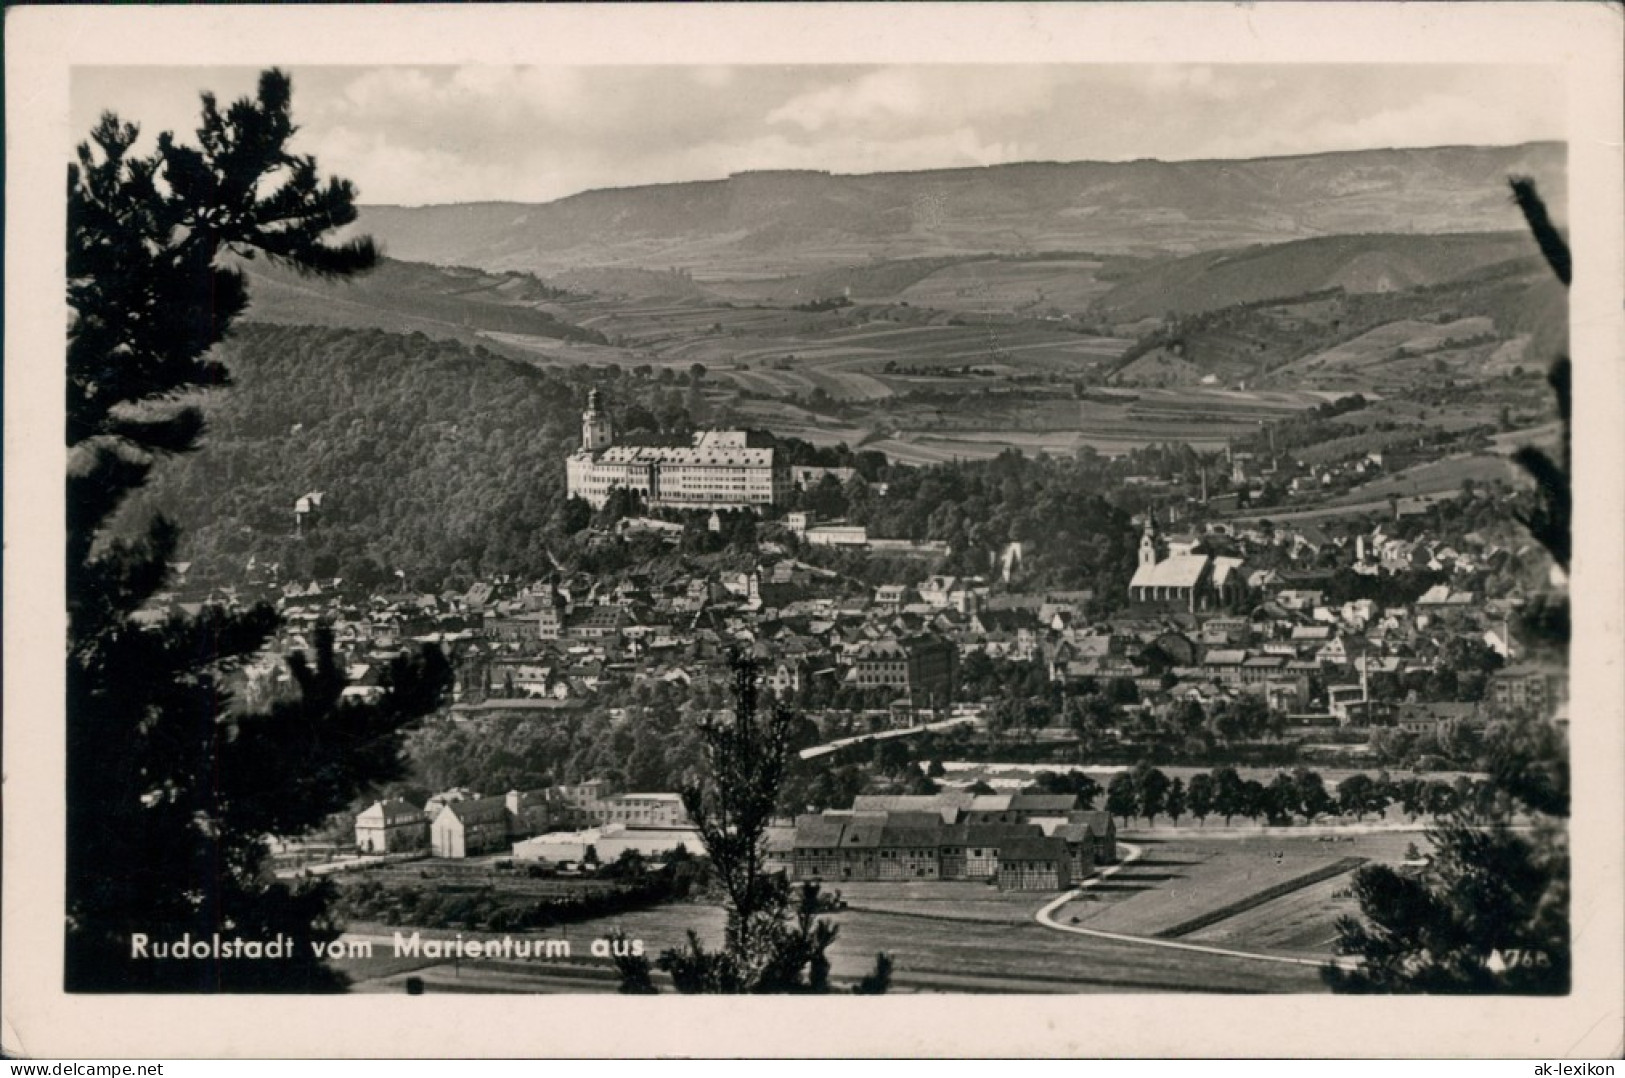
{"points": [[1443, 119], [925, 97], [887, 94], [1196, 82], [712, 76], [447, 134]]}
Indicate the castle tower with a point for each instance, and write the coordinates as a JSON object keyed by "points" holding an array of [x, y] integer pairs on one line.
{"points": [[595, 429]]}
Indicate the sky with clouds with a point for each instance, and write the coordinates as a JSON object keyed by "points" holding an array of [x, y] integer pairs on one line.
{"points": [[417, 135]]}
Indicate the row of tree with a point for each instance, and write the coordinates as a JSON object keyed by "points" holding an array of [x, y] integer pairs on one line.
{"points": [[1147, 792]]}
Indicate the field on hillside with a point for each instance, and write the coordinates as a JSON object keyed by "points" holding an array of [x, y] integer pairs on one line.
{"points": [[846, 354], [1409, 352], [1004, 285], [1368, 263], [1435, 477], [1373, 510], [984, 427], [959, 283]]}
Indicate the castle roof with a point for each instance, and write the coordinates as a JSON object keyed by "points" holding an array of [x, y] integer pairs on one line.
{"points": [[680, 454]]}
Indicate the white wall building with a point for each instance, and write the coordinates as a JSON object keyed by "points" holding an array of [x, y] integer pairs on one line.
{"points": [[720, 470]]}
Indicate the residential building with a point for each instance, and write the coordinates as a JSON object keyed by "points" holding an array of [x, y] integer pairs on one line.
{"points": [[391, 826], [1528, 687], [471, 827], [920, 667], [1035, 864]]}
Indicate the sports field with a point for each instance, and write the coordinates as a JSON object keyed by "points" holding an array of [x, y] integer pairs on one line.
{"points": [[1265, 892]]}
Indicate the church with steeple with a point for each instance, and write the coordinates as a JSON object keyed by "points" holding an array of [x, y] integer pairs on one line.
{"points": [[1185, 582], [716, 469]]}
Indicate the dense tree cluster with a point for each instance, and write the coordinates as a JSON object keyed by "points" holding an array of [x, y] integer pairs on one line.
{"points": [[171, 792], [483, 906], [642, 738], [1073, 536], [1147, 792], [433, 459]]}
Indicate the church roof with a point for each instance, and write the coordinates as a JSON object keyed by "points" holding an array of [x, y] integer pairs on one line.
{"points": [[1180, 571]]}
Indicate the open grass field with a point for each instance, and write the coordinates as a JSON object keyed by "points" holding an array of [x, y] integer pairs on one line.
{"points": [[931, 954], [919, 448], [1401, 411], [959, 900], [959, 283]]}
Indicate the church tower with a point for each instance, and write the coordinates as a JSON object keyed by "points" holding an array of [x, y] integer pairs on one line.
{"points": [[595, 428], [1149, 554]]}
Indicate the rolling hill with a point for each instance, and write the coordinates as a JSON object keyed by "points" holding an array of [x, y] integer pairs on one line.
{"points": [[1124, 290], [443, 302], [1485, 324], [768, 224], [1354, 263]]}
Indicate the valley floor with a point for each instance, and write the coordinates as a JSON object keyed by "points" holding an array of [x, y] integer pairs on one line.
{"points": [[1275, 894]]}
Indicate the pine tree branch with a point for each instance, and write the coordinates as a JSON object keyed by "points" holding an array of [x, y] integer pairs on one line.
{"points": [[1551, 242]]}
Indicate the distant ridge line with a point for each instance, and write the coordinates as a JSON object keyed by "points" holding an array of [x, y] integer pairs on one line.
{"points": [[963, 169]]}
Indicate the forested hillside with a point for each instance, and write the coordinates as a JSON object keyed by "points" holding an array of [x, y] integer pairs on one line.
{"points": [[446, 463], [433, 457]]}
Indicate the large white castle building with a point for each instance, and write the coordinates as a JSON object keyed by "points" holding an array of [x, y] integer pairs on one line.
{"points": [[720, 470]]}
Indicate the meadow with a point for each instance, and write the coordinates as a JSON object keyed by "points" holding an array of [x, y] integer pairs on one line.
{"points": [[1004, 953]]}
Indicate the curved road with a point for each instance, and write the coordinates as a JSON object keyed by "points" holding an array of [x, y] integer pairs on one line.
{"points": [[1046, 917]]}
